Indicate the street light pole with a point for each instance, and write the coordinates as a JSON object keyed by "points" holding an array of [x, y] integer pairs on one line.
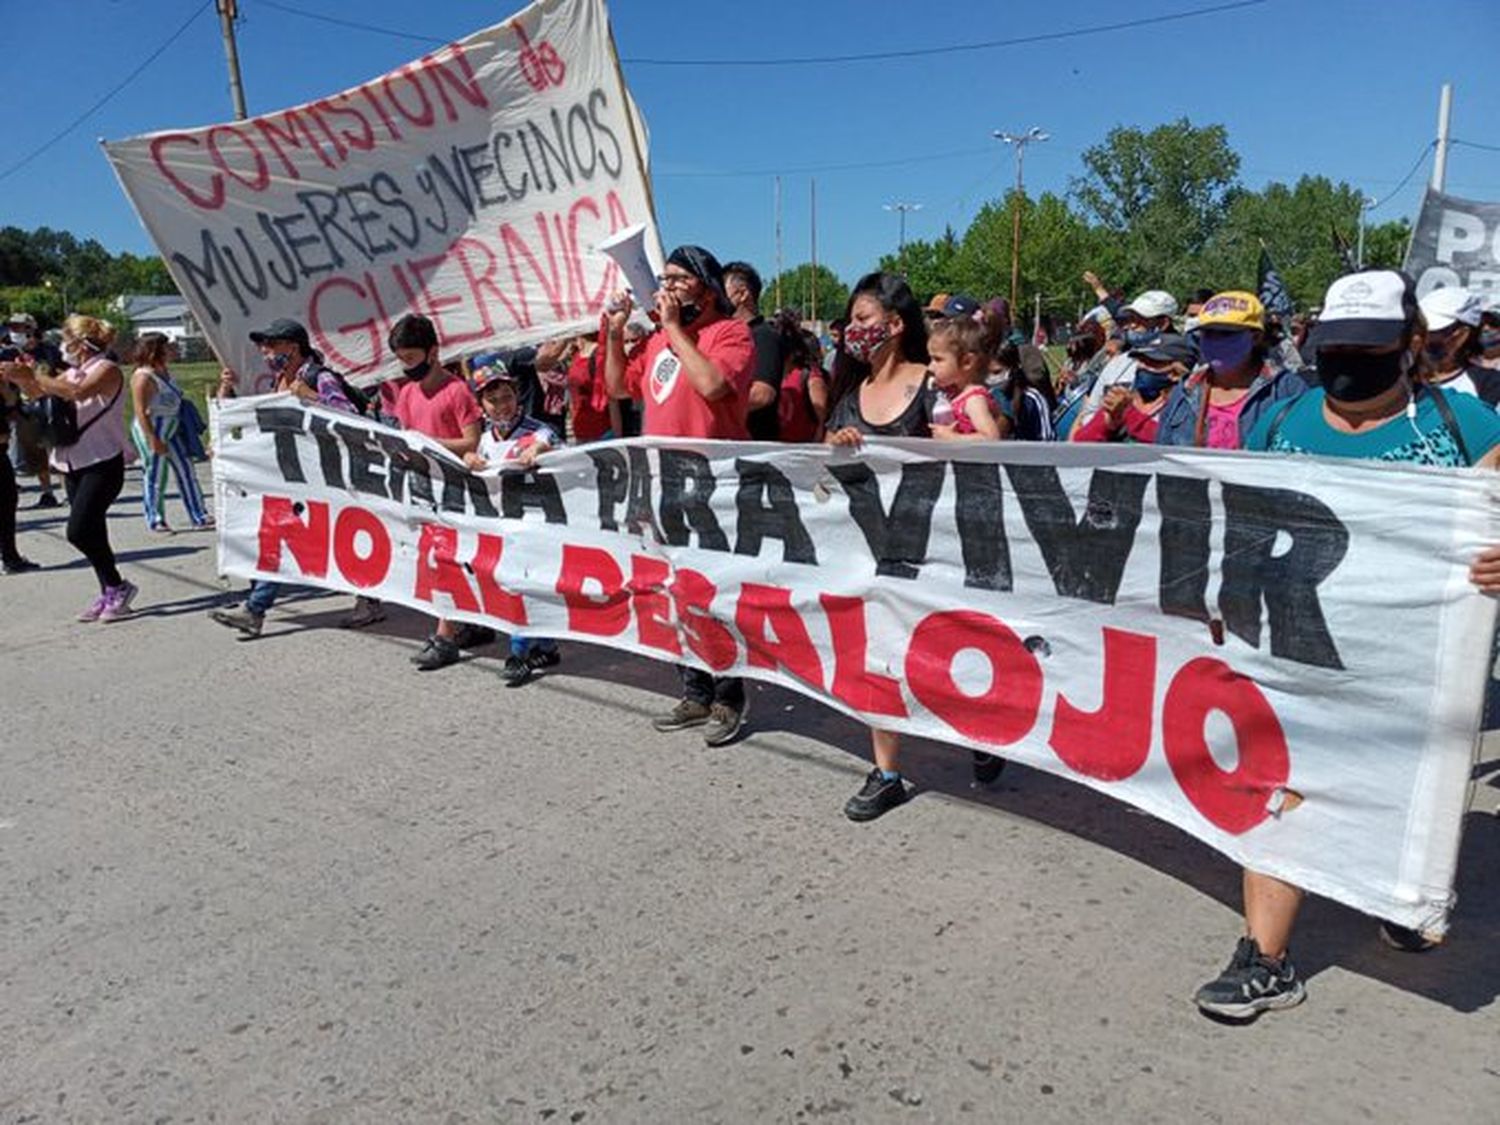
{"points": [[1019, 141], [1365, 203], [901, 209]]}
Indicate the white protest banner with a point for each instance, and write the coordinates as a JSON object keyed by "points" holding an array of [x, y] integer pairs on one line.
{"points": [[1456, 243], [1281, 656], [471, 186]]}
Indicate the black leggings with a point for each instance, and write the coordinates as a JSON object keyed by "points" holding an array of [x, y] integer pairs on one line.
{"points": [[9, 498], [90, 493]]}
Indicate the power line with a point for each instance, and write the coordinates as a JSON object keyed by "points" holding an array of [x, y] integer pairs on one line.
{"points": [[353, 24], [823, 60], [813, 168], [98, 105], [953, 48], [1421, 156], [1474, 144]]}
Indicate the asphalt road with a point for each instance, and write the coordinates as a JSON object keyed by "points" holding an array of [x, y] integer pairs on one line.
{"points": [[295, 880]]}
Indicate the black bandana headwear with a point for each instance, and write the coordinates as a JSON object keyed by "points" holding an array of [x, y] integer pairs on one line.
{"points": [[705, 267]]}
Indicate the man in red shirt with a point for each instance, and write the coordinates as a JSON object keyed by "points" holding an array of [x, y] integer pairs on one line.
{"points": [[435, 402], [693, 379]]}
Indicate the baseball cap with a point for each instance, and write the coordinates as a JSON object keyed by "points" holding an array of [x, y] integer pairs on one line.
{"points": [[959, 306], [487, 369], [1373, 308], [1167, 347], [1451, 305], [935, 306], [1152, 304], [282, 329], [22, 318], [1233, 311]]}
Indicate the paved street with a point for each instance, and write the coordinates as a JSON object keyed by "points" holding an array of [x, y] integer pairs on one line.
{"points": [[294, 880]]}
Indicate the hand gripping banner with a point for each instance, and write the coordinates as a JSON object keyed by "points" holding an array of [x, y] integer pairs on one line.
{"points": [[1281, 656], [472, 186]]}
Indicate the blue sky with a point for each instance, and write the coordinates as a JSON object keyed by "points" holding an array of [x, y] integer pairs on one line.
{"points": [[1339, 87]]}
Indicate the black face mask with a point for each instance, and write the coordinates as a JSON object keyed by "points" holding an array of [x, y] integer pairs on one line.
{"points": [[418, 372], [689, 313], [1359, 376]]}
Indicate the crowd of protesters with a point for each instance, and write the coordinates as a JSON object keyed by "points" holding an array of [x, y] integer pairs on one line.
{"points": [[1373, 373]]}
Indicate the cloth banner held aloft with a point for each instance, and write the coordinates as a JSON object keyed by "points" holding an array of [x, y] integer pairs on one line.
{"points": [[1281, 656], [471, 186], [1456, 242]]}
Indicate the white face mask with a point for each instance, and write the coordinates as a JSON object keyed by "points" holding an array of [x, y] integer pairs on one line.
{"points": [[19, 338]]}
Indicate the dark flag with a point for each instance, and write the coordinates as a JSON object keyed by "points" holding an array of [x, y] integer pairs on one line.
{"points": [[1346, 255], [1271, 289]]}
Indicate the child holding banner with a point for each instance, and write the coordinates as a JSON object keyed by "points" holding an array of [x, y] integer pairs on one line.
{"points": [[509, 437], [1369, 342], [435, 402]]}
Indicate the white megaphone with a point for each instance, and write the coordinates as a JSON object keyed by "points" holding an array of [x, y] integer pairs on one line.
{"points": [[627, 249]]}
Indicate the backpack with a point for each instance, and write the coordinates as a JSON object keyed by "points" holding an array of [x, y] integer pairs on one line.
{"points": [[357, 398], [795, 420]]}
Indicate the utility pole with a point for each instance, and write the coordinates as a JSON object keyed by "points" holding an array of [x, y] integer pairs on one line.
{"points": [[228, 13], [1445, 114], [813, 280], [1019, 141], [778, 242], [901, 209]]}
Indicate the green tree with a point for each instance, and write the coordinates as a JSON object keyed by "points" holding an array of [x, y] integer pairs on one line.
{"points": [[1162, 193], [804, 286], [927, 266]]}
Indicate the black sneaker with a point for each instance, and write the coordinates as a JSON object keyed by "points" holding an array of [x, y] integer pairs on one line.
{"points": [[19, 565], [1251, 984], [473, 636], [878, 795], [47, 500], [724, 723], [439, 653], [685, 715], [542, 659], [1407, 941], [516, 672], [987, 767]]}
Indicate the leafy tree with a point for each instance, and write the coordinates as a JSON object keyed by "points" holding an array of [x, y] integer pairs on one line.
{"points": [[1163, 193], [799, 286], [927, 266]]}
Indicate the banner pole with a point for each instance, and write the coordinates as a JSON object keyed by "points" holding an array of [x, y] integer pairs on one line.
{"points": [[629, 107]]}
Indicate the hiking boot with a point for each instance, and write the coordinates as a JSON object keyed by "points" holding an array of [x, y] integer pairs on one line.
{"points": [[1407, 941], [473, 636], [19, 565], [47, 500], [1251, 984], [878, 795], [516, 672], [439, 653], [244, 620], [724, 723], [987, 767], [685, 715], [366, 611], [118, 599]]}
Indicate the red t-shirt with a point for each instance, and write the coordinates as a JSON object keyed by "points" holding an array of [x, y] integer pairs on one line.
{"points": [[445, 413], [588, 398], [672, 407]]}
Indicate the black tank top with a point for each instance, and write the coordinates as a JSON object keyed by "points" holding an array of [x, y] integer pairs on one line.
{"points": [[914, 421]]}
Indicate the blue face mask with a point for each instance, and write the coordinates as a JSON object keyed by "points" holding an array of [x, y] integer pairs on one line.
{"points": [[1151, 385], [1226, 351], [278, 362], [1140, 337]]}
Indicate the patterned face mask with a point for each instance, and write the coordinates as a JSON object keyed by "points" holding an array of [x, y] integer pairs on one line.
{"points": [[861, 341]]}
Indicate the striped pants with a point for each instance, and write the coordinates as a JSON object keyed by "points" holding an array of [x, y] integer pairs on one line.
{"points": [[154, 473]]}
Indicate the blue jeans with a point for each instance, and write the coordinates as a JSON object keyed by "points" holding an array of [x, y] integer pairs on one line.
{"points": [[521, 646], [262, 596]]}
